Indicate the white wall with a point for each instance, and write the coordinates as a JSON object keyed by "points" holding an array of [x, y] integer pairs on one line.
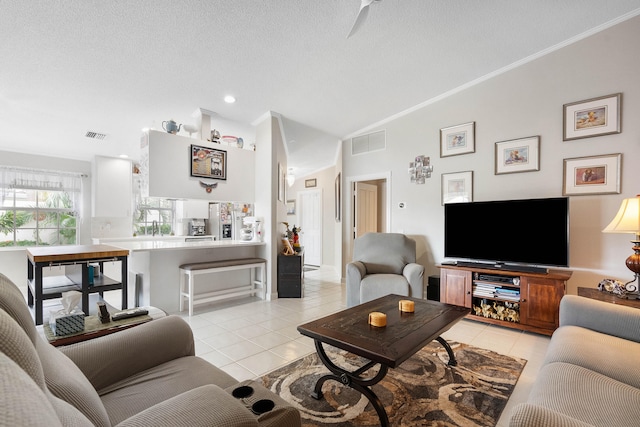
{"points": [[522, 102]]}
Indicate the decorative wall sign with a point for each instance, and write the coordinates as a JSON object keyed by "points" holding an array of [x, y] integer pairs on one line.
{"points": [[518, 155], [458, 139], [592, 175], [457, 187], [593, 117], [208, 162]]}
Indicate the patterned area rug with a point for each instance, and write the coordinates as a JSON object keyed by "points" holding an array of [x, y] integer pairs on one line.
{"points": [[423, 391]]}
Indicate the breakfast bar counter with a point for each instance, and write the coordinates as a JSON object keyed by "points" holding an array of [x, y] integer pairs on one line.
{"points": [[154, 265]]}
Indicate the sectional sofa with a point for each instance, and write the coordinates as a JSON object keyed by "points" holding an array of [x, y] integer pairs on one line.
{"points": [[591, 373]]}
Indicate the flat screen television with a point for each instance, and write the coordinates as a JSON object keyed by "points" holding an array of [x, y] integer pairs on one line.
{"points": [[519, 235]]}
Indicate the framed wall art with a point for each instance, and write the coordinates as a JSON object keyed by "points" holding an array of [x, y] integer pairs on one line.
{"points": [[291, 207], [457, 187], [592, 117], [518, 155], [281, 183], [592, 175], [309, 183], [208, 162], [338, 198], [458, 139]]}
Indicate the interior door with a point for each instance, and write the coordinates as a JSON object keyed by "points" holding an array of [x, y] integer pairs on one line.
{"points": [[366, 208], [310, 203]]}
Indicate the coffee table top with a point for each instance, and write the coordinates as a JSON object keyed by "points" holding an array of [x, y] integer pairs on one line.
{"points": [[405, 333]]}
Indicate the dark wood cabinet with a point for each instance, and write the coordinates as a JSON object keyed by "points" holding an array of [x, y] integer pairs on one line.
{"points": [[526, 301], [290, 276]]}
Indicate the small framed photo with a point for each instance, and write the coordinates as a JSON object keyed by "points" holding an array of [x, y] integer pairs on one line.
{"points": [[208, 162], [458, 139], [281, 183], [518, 155], [291, 207], [592, 117], [457, 187], [308, 183], [592, 175]]}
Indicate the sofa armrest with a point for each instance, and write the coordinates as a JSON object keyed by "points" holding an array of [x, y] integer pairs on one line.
{"points": [[111, 358], [355, 272], [529, 415], [204, 406], [414, 273], [600, 316]]}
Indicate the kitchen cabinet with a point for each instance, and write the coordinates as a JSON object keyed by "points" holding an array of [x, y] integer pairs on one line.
{"points": [[186, 209], [165, 166], [525, 301], [112, 184]]}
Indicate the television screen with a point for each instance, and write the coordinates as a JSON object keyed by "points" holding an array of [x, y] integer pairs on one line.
{"points": [[530, 232]]}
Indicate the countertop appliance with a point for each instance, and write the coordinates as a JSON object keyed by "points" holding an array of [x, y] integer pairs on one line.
{"points": [[196, 227]]}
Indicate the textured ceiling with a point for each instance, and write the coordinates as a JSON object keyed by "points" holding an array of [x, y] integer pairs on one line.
{"points": [[116, 67]]}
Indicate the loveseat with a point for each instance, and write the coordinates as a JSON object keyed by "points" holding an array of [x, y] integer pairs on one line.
{"points": [[143, 376], [591, 372]]}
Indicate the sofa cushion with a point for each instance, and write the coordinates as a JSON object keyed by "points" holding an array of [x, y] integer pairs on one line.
{"points": [[611, 356], [586, 395], [12, 301], [377, 285], [152, 386]]}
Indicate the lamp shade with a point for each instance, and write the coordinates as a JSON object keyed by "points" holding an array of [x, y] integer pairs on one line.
{"points": [[627, 220]]}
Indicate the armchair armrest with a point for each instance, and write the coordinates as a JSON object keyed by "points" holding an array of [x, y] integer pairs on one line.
{"points": [[111, 358], [205, 406], [414, 273], [355, 272], [610, 319]]}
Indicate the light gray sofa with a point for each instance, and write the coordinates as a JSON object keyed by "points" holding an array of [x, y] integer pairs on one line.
{"points": [[383, 263], [591, 372], [144, 376]]}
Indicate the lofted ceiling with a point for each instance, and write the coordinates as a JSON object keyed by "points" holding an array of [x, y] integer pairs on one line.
{"points": [[117, 66]]}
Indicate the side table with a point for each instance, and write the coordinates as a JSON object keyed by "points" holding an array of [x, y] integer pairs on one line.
{"points": [[290, 276], [607, 297], [93, 328]]}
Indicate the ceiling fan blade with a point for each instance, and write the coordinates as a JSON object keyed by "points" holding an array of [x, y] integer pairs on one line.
{"points": [[362, 16]]}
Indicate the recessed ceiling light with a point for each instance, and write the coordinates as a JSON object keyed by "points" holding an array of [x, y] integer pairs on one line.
{"points": [[229, 99]]}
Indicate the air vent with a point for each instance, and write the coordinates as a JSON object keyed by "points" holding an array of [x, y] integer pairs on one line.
{"points": [[374, 141], [95, 135]]}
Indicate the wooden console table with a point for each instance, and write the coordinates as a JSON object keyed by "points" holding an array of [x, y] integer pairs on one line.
{"points": [[607, 297], [78, 256]]}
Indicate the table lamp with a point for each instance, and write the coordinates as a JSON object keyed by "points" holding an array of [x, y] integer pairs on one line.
{"points": [[627, 220]]}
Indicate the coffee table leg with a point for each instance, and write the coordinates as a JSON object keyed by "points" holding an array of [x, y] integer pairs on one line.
{"points": [[452, 357], [353, 380]]}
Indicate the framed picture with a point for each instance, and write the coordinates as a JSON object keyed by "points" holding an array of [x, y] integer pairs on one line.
{"points": [[457, 187], [338, 195], [208, 162], [281, 181], [593, 117], [460, 139], [592, 175], [291, 207], [308, 183], [518, 155]]}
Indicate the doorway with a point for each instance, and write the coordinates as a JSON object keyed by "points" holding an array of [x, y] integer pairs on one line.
{"points": [[368, 208], [310, 208]]}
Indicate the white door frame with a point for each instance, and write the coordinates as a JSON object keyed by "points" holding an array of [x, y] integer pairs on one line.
{"points": [[349, 208]]}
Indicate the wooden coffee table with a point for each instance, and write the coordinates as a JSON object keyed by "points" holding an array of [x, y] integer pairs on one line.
{"points": [[389, 346]]}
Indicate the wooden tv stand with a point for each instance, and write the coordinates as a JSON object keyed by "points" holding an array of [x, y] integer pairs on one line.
{"points": [[518, 300]]}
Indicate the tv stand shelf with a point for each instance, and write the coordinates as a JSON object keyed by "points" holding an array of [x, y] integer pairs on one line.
{"points": [[527, 301]]}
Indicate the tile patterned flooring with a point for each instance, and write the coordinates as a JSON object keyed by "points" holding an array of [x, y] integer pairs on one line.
{"points": [[250, 337]]}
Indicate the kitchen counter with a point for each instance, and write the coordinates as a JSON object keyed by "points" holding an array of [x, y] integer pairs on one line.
{"points": [[154, 263], [181, 242]]}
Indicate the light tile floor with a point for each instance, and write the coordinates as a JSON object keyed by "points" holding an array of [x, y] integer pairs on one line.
{"points": [[250, 337]]}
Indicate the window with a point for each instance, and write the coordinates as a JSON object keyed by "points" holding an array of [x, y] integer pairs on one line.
{"points": [[39, 207], [154, 216]]}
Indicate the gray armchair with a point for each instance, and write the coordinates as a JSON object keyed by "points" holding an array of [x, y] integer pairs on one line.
{"points": [[383, 263]]}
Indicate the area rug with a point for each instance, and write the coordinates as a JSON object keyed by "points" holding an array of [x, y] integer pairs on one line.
{"points": [[423, 391]]}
